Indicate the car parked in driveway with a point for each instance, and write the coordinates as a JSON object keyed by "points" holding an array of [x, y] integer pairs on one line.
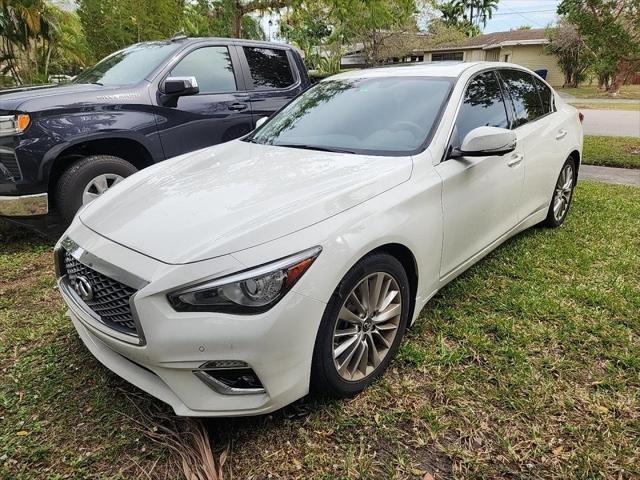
{"points": [[235, 279], [62, 146]]}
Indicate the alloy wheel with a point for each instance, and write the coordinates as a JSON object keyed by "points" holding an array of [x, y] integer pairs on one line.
{"points": [[99, 185], [562, 193], [367, 324]]}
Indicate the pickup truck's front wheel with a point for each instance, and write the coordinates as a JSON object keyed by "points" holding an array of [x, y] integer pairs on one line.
{"points": [[87, 179]]}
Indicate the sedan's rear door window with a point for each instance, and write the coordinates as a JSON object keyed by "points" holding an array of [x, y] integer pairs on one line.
{"points": [[524, 95]]}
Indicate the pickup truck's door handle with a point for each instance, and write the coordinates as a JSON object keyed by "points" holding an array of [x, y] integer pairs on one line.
{"points": [[238, 106], [561, 134], [515, 160]]}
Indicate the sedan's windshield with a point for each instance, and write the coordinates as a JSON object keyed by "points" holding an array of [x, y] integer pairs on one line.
{"points": [[378, 115], [128, 66]]}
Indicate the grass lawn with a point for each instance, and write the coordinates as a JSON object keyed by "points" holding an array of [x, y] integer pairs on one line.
{"points": [[528, 365], [607, 106], [627, 91], [621, 152]]}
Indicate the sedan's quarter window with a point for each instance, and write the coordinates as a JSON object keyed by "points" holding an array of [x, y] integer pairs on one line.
{"points": [[269, 68], [524, 94], [212, 68], [483, 106], [383, 115], [546, 95]]}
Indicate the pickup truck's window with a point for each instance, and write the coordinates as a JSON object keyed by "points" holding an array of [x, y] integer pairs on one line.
{"points": [[269, 68], [546, 95], [482, 106], [212, 68], [381, 115], [524, 95], [128, 66]]}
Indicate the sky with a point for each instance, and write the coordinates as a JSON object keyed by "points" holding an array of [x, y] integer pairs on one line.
{"points": [[515, 13]]}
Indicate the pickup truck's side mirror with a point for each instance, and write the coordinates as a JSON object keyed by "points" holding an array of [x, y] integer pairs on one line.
{"points": [[486, 141], [180, 86]]}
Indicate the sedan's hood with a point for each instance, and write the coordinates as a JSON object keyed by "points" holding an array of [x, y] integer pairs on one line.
{"points": [[234, 196]]}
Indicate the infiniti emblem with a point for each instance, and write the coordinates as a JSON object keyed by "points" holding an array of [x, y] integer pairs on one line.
{"points": [[83, 288]]}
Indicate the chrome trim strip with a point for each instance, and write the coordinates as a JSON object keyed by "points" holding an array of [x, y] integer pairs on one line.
{"points": [[24, 205], [223, 389], [99, 265]]}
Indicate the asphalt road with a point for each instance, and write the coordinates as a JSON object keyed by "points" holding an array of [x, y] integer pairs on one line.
{"points": [[620, 123]]}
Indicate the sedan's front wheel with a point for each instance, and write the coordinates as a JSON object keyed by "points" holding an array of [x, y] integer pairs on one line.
{"points": [[362, 326], [562, 195]]}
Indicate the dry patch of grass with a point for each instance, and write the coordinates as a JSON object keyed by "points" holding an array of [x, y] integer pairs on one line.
{"points": [[526, 366], [607, 106]]}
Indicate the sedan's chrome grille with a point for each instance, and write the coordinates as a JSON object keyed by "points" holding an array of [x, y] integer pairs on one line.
{"points": [[107, 298]]}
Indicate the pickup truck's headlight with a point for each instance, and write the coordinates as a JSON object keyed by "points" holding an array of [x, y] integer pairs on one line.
{"points": [[14, 124], [252, 291]]}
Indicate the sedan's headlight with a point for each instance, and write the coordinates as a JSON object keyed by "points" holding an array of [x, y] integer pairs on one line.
{"points": [[14, 124], [251, 291]]}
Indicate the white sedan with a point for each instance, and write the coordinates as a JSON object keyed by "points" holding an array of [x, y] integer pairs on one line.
{"points": [[236, 279]]}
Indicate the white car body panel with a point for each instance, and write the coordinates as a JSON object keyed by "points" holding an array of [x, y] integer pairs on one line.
{"points": [[238, 205], [222, 210]]}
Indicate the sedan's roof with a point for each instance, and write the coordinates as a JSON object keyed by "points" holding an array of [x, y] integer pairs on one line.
{"points": [[434, 69]]}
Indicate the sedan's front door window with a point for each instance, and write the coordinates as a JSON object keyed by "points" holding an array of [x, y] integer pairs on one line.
{"points": [[483, 105]]}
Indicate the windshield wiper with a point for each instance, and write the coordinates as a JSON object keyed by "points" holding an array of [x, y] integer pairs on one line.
{"points": [[313, 147]]}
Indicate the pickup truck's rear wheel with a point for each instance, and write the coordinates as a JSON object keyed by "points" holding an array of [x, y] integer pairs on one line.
{"points": [[87, 179]]}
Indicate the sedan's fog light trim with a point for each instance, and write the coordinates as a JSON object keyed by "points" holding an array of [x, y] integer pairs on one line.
{"points": [[207, 374]]}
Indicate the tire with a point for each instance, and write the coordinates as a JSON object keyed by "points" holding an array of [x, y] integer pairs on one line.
{"points": [[326, 379], [562, 193], [71, 186]]}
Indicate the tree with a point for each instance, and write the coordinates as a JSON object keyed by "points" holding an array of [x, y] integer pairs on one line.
{"points": [[33, 36], [468, 15], [574, 57], [324, 29], [207, 18], [111, 25], [611, 30]]}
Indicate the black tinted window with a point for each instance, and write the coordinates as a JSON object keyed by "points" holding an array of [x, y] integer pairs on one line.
{"points": [[524, 94], [269, 67], [546, 95], [483, 106], [212, 68]]}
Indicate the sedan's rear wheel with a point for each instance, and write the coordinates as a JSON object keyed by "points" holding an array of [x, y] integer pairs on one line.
{"points": [[562, 195], [362, 326]]}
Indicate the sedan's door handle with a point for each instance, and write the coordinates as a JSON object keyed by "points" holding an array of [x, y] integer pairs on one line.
{"points": [[561, 134], [238, 106], [515, 160]]}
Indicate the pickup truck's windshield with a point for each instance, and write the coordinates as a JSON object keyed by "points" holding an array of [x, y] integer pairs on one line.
{"points": [[375, 115], [128, 66]]}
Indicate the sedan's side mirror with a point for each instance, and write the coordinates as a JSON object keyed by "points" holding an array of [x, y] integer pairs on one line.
{"points": [[486, 141], [180, 86], [261, 121]]}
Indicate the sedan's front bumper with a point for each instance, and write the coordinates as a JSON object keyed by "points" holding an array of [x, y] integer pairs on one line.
{"points": [[24, 205], [277, 345]]}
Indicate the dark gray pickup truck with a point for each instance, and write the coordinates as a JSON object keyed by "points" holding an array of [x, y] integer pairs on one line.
{"points": [[61, 146]]}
